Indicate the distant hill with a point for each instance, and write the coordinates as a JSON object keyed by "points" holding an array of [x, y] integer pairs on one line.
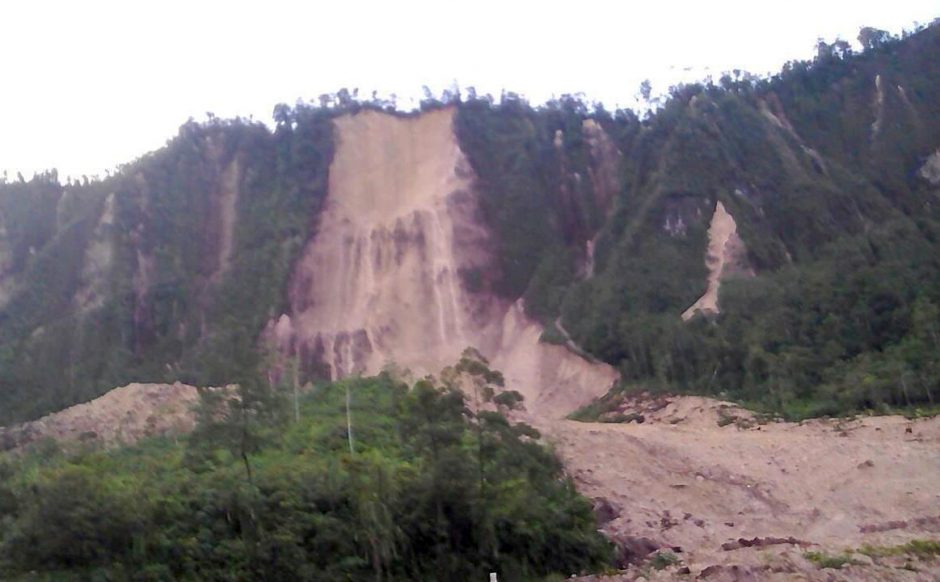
{"points": [[774, 241]]}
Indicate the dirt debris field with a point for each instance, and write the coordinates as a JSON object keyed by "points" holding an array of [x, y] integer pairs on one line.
{"points": [[737, 499]]}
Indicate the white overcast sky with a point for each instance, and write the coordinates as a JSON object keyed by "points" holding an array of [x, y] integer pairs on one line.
{"points": [[87, 85]]}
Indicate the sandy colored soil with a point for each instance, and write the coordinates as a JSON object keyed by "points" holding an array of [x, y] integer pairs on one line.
{"points": [[724, 257], [99, 257], [553, 379], [879, 107], [734, 499], [682, 480], [380, 281], [122, 416], [380, 284]]}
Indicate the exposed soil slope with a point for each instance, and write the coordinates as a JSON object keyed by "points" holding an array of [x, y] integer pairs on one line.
{"points": [[381, 282], [726, 256]]}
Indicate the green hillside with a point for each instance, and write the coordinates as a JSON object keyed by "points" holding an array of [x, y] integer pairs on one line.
{"points": [[104, 282]]}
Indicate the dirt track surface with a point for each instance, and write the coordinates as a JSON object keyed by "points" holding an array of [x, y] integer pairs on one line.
{"points": [[682, 480]]}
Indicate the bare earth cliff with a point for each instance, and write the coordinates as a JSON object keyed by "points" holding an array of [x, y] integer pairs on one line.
{"points": [[380, 283]]}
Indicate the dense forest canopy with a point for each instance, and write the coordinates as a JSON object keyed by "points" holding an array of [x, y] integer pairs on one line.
{"points": [[368, 480], [104, 282]]}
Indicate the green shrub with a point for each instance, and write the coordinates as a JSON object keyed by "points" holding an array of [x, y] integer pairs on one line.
{"points": [[923, 549], [663, 559], [429, 491], [824, 560]]}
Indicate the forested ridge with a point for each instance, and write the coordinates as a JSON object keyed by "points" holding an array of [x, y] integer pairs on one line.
{"points": [[840, 223], [108, 281], [822, 167], [158, 305]]}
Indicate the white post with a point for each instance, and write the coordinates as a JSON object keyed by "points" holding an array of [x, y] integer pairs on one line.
{"points": [[493, 577], [296, 374], [349, 432]]}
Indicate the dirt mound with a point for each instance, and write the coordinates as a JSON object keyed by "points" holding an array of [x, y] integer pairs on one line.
{"points": [[687, 410], [722, 490], [122, 416]]}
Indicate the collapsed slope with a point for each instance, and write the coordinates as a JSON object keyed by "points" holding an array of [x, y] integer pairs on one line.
{"points": [[384, 280], [380, 280], [701, 474]]}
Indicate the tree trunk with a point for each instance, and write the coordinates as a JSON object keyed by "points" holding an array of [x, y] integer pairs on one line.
{"points": [[907, 400]]}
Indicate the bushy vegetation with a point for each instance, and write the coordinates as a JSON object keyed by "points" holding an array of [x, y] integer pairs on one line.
{"points": [[923, 549], [420, 489], [535, 191], [663, 559], [165, 309], [841, 316], [824, 560], [920, 549]]}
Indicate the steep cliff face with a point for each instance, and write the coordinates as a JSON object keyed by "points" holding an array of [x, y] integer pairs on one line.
{"points": [[30, 218], [606, 165], [382, 280], [818, 182]]}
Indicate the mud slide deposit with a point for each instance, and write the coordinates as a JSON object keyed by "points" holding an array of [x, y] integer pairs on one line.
{"points": [[704, 476]]}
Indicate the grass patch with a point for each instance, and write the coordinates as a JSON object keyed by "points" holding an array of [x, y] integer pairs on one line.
{"points": [[921, 412], [552, 335], [824, 560], [923, 549], [724, 417], [608, 403], [663, 560], [621, 418]]}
